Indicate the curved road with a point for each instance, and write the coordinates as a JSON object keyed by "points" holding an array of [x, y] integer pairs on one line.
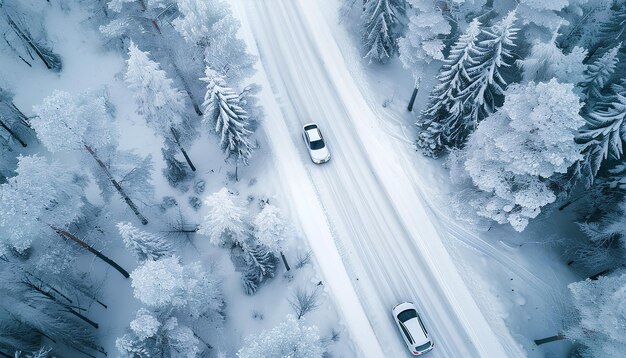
{"points": [[379, 224]]}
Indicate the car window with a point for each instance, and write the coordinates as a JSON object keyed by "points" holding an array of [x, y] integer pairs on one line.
{"points": [[406, 333], [407, 315], [422, 324], [423, 347], [318, 144]]}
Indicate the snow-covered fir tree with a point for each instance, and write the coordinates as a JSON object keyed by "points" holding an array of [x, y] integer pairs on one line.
{"points": [[157, 335], [291, 338], [515, 151], [156, 99], [144, 245], [493, 53], [272, 229], [166, 283], [601, 315], [381, 28], [224, 222], [224, 114], [261, 265], [603, 138], [442, 123], [598, 74]]}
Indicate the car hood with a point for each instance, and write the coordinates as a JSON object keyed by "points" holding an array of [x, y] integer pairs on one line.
{"points": [[320, 154]]}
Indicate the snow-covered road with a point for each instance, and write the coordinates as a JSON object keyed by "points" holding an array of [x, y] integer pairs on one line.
{"points": [[363, 198]]}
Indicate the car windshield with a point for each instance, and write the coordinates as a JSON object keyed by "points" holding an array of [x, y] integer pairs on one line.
{"points": [[317, 144], [407, 315], [423, 347]]}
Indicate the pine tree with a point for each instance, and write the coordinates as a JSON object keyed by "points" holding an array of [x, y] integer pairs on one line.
{"points": [[144, 245], [381, 28], [599, 73], [156, 99], [492, 53], [261, 266], [441, 123], [290, 338], [224, 114], [224, 222], [604, 133]]}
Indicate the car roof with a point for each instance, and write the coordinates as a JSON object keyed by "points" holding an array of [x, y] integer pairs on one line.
{"points": [[314, 134], [418, 334]]}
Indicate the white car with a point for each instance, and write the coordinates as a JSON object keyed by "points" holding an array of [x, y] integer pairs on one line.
{"points": [[315, 143], [412, 328]]}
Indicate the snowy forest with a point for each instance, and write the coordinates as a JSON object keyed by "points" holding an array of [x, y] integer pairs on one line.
{"points": [[527, 112], [109, 250]]}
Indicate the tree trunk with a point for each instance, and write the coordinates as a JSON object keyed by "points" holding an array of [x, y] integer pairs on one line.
{"points": [[414, 95], [117, 185], [13, 134], [541, 341], [177, 140], [285, 261], [84, 245], [28, 40], [194, 103]]}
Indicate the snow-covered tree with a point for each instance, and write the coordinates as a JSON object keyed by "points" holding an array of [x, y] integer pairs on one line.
{"points": [[422, 41], [471, 86], [67, 123], [603, 139], [210, 26], [42, 199], [225, 116], [493, 52], [612, 30], [515, 151], [156, 99], [41, 196], [290, 339], [272, 229], [543, 13], [599, 72], [443, 121], [261, 265], [225, 221], [157, 335], [12, 120], [546, 61], [144, 245], [197, 19], [165, 284], [382, 28], [602, 316]]}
